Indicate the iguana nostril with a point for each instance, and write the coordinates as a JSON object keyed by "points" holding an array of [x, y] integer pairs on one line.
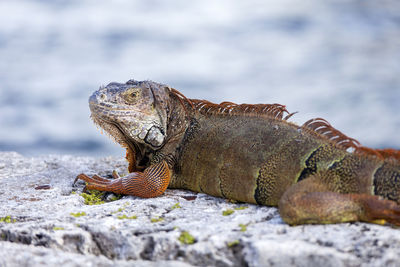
{"points": [[103, 97]]}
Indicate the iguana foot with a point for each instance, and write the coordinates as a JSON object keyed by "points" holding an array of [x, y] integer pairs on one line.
{"points": [[150, 183], [378, 210]]}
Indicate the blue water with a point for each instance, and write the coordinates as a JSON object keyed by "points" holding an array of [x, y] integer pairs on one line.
{"points": [[334, 59]]}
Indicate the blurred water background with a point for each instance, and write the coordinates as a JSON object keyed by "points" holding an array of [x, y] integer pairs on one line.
{"points": [[335, 59]]}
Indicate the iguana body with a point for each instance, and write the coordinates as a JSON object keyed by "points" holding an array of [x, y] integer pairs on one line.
{"points": [[249, 153]]}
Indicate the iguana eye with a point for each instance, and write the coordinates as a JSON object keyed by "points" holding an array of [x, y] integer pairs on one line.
{"points": [[132, 95]]}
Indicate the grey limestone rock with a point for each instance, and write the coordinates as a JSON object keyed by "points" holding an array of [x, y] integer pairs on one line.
{"points": [[41, 226]]}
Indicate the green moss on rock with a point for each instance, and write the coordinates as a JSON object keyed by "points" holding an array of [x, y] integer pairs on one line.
{"points": [[176, 206], [94, 198], [7, 219], [243, 227], [241, 208], [158, 219], [127, 217], [78, 214], [115, 197], [227, 212], [186, 238], [233, 243]]}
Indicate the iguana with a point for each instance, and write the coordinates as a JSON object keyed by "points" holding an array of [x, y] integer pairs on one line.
{"points": [[249, 153]]}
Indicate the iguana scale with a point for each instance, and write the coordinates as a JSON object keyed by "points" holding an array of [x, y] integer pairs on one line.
{"points": [[250, 153]]}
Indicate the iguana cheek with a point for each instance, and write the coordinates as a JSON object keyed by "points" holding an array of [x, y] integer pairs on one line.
{"points": [[155, 137]]}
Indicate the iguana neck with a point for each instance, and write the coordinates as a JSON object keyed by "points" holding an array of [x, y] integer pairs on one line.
{"points": [[179, 115]]}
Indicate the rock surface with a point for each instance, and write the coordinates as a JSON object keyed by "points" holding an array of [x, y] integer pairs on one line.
{"points": [[41, 231]]}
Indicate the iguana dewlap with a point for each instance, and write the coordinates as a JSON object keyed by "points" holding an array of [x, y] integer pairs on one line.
{"points": [[250, 153]]}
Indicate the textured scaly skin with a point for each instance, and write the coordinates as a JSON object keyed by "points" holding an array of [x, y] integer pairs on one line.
{"points": [[244, 154], [261, 158]]}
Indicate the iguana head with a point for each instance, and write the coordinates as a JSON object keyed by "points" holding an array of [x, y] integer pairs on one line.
{"points": [[134, 113]]}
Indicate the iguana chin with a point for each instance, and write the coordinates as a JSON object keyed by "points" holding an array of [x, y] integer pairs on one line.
{"points": [[250, 153]]}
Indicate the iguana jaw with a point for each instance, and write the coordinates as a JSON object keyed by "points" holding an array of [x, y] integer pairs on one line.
{"points": [[141, 151], [116, 134]]}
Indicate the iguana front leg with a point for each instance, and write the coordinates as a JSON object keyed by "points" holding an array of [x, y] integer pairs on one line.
{"points": [[310, 201], [151, 182]]}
